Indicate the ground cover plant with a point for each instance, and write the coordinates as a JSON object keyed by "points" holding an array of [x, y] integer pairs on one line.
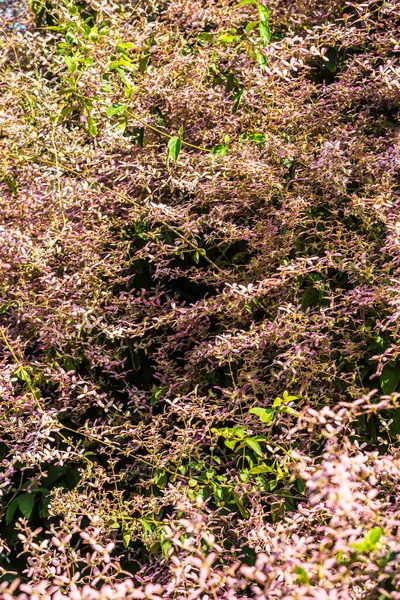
{"points": [[199, 299]]}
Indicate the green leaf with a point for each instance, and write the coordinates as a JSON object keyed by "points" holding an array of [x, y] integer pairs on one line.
{"points": [[71, 64], [220, 150], [22, 374], [230, 444], [174, 148], [370, 541], [230, 432], [250, 26], [54, 472], [395, 424], [87, 454], [288, 410], [331, 58], [92, 126], [44, 506], [129, 90], [144, 63], [115, 109], [126, 538], [374, 535], [26, 503], [259, 469], [310, 298], [160, 479], [302, 576], [261, 59], [122, 125], [263, 13], [93, 34], [238, 431], [147, 530], [258, 138], [39, 489], [165, 547], [67, 110], [73, 477], [265, 33], [227, 38], [390, 378], [138, 136], [244, 475], [240, 505], [244, 2], [288, 398], [125, 46], [122, 75], [278, 402], [11, 184], [118, 64], [69, 364], [11, 509], [205, 36], [237, 100], [266, 415], [69, 38], [218, 493], [254, 445]]}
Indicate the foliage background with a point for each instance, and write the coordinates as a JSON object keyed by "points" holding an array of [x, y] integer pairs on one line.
{"points": [[199, 300]]}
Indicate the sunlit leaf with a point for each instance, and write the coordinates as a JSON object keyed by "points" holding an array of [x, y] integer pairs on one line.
{"points": [[261, 59], [23, 374], [244, 2], [205, 36], [259, 469], [250, 26], [174, 147], [92, 126], [265, 33], [71, 64], [302, 576], [230, 444], [266, 415], [11, 184], [254, 445], [370, 541], [263, 13], [227, 38], [115, 109], [220, 150]]}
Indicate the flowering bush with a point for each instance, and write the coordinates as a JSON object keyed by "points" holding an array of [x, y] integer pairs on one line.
{"points": [[199, 301]]}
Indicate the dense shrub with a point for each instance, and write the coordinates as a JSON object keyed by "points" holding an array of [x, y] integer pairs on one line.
{"points": [[199, 301]]}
